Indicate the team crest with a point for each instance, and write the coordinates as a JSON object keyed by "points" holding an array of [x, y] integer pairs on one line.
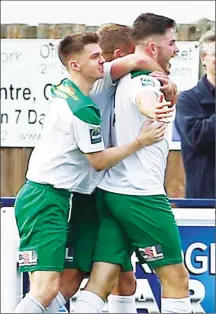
{"points": [[95, 135], [147, 81]]}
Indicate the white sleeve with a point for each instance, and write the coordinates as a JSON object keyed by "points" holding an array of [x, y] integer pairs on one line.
{"points": [[143, 82], [88, 136], [106, 82], [58, 115]]}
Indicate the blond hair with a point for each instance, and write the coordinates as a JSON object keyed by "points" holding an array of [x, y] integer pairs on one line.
{"points": [[111, 36], [207, 37]]}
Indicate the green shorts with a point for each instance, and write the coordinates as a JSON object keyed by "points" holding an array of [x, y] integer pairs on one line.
{"points": [[145, 224], [41, 213], [82, 233]]}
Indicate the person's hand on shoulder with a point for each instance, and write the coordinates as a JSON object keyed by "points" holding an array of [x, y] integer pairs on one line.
{"points": [[169, 89]]}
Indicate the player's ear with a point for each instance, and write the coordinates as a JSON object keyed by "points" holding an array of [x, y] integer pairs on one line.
{"points": [[117, 53], [74, 66], [152, 48]]}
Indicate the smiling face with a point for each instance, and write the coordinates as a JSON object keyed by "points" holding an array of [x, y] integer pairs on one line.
{"points": [[166, 49], [89, 63], [81, 54], [161, 48], [155, 36]]}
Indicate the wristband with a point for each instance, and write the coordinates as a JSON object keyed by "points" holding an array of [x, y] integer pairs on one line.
{"points": [[139, 142]]}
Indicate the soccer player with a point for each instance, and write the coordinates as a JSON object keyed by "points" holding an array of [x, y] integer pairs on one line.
{"points": [[134, 209], [71, 141], [84, 222]]}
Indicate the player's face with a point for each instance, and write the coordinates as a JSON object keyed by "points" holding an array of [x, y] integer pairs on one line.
{"points": [[208, 57], [91, 62], [167, 49]]}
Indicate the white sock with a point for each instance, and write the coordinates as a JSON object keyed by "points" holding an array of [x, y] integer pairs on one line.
{"points": [[176, 305], [29, 305], [121, 304], [88, 302], [56, 304]]}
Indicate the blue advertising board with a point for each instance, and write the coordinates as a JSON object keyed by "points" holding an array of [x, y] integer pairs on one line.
{"points": [[199, 256], [196, 223]]}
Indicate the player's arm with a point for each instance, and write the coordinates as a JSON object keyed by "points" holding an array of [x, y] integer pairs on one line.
{"points": [[90, 142], [89, 139], [153, 106], [109, 157], [133, 62], [146, 95], [119, 67]]}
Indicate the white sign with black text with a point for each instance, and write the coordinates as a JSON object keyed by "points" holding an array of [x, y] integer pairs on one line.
{"points": [[31, 66]]}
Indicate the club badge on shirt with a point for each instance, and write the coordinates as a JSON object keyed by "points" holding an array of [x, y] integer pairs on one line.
{"points": [[95, 135], [145, 81]]}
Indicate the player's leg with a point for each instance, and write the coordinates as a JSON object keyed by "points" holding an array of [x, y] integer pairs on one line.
{"points": [[41, 214], [85, 224], [170, 269], [82, 232], [110, 253], [70, 282], [174, 283], [151, 227], [122, 299]]}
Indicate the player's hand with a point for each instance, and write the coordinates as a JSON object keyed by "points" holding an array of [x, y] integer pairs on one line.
{"points": [[169, 89], [151, 133], [163, 110]]}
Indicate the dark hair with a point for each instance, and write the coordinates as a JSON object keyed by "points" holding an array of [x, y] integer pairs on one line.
{"points": [[74, 44], [148, 24], [111, 36]]}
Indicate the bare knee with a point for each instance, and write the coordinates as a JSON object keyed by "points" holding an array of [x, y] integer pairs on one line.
{"points": [[103, 278], [174, 280], [70, 281], [44, 286], [126, 284]]}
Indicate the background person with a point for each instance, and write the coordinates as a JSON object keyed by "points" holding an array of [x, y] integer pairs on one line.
{"points": [[195, 122]]}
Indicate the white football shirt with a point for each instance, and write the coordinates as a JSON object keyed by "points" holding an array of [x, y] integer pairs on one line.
{"points": [[68, 132], [58, 157], [102, 94], [143, 172]]}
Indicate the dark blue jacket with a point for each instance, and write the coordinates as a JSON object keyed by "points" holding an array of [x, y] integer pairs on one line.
{"points": [[195, 122]]}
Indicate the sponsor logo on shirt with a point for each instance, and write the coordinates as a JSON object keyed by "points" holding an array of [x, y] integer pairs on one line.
{"points": [[147, 81], [69, 91], [95, 135], [152, 253], [27, 258]]}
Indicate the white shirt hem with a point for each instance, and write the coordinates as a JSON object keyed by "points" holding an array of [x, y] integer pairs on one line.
{"points": [[116, 190]]}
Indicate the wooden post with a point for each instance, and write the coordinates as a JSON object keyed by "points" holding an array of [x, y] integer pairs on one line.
{"points": [[91, 28], [66, 29]]}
